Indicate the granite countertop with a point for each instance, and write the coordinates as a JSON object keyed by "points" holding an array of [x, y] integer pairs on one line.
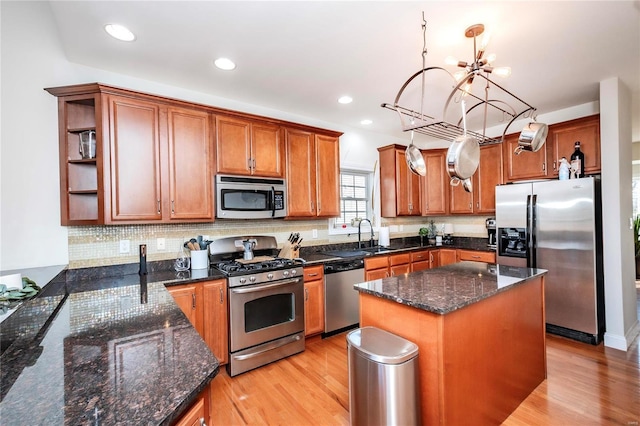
{"points": [[448, 288], [321, 254], [106, 350]]}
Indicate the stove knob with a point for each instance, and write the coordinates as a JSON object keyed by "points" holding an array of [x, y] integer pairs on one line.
{"points": [[243, 280], [294, 271], [252, 278], [285, 273], [269, 276]]}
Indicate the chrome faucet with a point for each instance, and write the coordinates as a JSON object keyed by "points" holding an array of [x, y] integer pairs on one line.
{"points": [[360, 234]]}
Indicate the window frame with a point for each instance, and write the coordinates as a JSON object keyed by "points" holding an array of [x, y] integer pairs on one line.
{"points": [[337, 229]]}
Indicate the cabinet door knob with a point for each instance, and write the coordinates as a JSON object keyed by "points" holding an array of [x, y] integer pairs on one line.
{"points": [[193, 300], [544, 167], [158, 206], [173, 207], [221, 296], [306, 294]]}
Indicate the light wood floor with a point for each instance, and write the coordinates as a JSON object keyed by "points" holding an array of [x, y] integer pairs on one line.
{"points": [[586, 385]]}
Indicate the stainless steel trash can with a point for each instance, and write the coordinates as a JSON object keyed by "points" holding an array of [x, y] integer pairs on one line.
{"points": [[383, 378]]}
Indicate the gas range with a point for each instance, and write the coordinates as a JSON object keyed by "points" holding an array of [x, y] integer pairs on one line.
{"points": [[243, 273]]}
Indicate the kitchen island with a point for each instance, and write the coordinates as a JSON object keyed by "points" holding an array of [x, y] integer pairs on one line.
{"points": [[480, 330]]}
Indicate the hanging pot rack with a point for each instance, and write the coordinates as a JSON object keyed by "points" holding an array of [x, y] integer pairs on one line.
{"points": [[504, 102], [440, 128]]}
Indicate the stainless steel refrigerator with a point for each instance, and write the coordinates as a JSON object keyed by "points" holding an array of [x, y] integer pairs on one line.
{"points": [[557, 225]]}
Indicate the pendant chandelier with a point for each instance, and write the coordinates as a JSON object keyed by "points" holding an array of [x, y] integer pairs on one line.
{"points": [[472, 83]]}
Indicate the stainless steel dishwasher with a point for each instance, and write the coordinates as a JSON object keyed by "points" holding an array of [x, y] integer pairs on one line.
{"points": [[341, 304]]}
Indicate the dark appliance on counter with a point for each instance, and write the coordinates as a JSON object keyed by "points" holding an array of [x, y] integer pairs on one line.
{"points": [[341, 300], [491, 232], [266, 302], [247, 197], [557, 225]]}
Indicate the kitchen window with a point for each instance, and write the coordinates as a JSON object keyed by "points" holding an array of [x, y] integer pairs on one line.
{"points": [[355, 200]]}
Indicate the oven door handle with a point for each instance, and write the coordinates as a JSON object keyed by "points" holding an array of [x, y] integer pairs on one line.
{"points": [[253, 289], [260, 352]]}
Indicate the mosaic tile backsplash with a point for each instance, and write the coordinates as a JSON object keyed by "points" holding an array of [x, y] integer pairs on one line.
{"points": [[91, 246]]}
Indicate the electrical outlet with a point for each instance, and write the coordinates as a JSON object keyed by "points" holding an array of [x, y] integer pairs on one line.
{"points": [[160, 244], [314, 233], [401, 228], [125, 246]]}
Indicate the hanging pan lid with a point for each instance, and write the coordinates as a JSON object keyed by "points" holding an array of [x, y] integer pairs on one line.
{"points": [[532, 137]]}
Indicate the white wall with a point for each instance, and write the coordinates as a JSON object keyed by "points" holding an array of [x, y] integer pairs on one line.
{"points": [[30, 231], [619, 261]]}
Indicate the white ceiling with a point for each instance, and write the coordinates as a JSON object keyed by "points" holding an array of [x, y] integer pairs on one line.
{"points": [[300, 56]]}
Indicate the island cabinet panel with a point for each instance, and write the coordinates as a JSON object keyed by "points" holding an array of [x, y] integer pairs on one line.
{"points": [[435, 185], [476, 363], [399, 187], [135, 162], [313, 173], [563, 136], [249, 147], [313, 300]]}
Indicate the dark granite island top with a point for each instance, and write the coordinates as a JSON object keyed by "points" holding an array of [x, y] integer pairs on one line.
{"points": [[480, 332], [448, 288], [101, 352]]}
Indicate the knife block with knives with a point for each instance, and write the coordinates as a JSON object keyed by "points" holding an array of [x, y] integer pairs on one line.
{"points": [[291, 248]]}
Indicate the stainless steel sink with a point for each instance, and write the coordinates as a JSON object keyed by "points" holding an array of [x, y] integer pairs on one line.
{"points": [[358, 252]]}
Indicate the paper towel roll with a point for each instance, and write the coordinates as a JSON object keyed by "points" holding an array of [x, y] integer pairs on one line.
{"points": [[383, 236]]}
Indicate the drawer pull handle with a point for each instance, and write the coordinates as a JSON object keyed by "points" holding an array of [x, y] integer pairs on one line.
{"points": [[315, 274]]}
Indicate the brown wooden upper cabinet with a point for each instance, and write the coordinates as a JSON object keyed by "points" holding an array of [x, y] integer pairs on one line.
{"points": [[560, 141], [248, 147], [152, 164], [435, 185], [563, 136], [399, 187], [313, 173], [482, 200]]}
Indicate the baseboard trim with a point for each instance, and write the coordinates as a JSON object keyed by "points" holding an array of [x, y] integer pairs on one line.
{"points": [[619, 342]]}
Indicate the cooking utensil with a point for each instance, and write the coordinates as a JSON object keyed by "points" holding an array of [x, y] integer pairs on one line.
{"points": [[467, 185], [414, 159], [463, 156], [532, 137]]}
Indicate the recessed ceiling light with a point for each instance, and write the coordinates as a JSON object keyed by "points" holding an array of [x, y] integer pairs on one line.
{"points": [[345, 100], [224, 64], [119, 32], [366, 122]]}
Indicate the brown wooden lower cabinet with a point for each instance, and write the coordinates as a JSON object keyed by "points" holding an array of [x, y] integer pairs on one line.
{"points": [[478, 256], [313, 300], [447, 256], [376, 268], [205, 304], [198, 413], [399, 264]]}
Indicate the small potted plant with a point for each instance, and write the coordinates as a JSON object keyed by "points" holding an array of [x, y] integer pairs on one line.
{"points": [[423, 232], [432, 232]]}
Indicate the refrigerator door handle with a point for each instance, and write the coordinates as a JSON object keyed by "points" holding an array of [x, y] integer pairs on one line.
{"points": [[533, 243]]}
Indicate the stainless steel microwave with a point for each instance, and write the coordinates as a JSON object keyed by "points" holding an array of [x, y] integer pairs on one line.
{"points": [[247, 197]]}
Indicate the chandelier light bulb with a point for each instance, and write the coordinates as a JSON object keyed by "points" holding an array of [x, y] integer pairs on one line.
{"points": [[490, 58], [502, 71], [450, 60], [486, 38], [459, 75]]}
